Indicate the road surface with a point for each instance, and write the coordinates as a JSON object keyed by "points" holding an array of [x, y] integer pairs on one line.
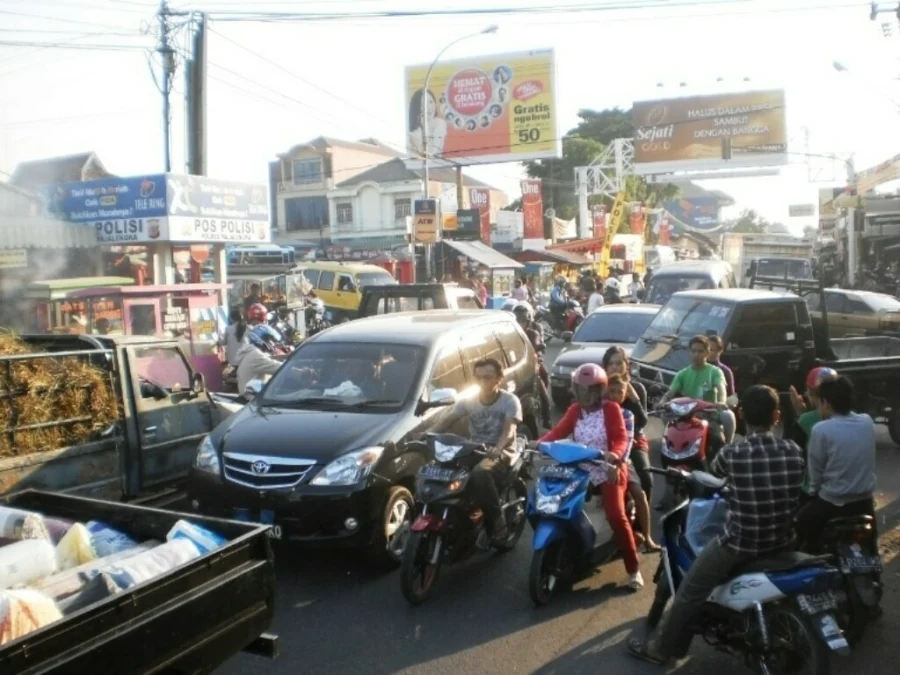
{"points": [[335, 617]]}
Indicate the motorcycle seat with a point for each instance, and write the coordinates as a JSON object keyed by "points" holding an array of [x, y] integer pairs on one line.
{"points": [[781, 562]]}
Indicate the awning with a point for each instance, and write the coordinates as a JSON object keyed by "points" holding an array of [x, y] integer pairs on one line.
{"points": [[592, 245], [36, 232], [482, 254], [560, 256]]}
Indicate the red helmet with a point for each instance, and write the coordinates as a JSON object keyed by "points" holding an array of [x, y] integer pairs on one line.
{"points": [[588, 383], [257, 313], [817, 376]]}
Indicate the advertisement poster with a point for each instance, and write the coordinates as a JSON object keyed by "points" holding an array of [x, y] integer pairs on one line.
{"points": [[533, 208], [469, 225], [508, 229], [869, 179], [425, 221], [690, 133], [215, 211], [488, 109], [663, 230], [636, 218], [480, 198], [598, 216], [698, 214]]}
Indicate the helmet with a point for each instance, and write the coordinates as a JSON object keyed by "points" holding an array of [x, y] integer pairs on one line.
{"points": [[524, 311], [588, 383], [817, 376], [314, 310], [257, 313], [561, 280], [509, 305]]}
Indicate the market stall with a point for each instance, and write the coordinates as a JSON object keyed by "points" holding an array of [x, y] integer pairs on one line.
{"points": [[463, 258], [569, 264]]}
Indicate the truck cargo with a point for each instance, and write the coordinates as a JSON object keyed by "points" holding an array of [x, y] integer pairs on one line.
{"points": [[776, 255]]}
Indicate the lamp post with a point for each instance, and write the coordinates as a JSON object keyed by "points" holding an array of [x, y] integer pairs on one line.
{"points": [[424, 125]]}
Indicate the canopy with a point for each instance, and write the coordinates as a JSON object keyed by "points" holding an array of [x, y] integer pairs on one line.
{"points": [[37, 232], [482, 254]]}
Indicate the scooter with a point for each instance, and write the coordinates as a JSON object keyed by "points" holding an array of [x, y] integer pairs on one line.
{"points": [[567, 543], [775, 613], [554, 324], [450, 526]]}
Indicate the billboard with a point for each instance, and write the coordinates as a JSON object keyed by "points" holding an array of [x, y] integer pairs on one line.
{"points": [[469, 225], [532, 208], [710, 132], [697, 214], [426, 217], [164, 207], [885, 172], [480, 198], [483, 110]]}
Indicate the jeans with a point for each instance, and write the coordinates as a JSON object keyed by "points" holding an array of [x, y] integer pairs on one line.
{"points": [[613, 494], [729, 423], [713, 566], [486, 476], [814, 516]]}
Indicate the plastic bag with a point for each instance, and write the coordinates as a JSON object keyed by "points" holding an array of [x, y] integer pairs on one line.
{"points": [[705, 521], [76, 548], [18, 524], [205, 540], [153, 563], [25, 561], [107, 540], [24, 611]]}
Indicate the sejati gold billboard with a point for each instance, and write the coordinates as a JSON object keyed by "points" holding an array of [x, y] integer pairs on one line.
{"points": [[710, 132], [488, 109]]}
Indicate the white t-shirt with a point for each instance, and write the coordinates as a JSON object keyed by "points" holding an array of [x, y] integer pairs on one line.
{"points": [[634, 288], [595, 301]]}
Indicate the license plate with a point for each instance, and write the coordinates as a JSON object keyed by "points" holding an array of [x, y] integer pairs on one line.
{"points": [[816, 603], [858, 563], [556, 471], [274, 532], [436, 473], [266, 517]]}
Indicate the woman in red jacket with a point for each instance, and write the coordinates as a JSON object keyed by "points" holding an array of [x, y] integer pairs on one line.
{"points": [[599, 424]]}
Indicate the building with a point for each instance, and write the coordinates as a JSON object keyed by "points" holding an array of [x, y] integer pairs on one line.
{"points": [[68, 169], [301, 178]]}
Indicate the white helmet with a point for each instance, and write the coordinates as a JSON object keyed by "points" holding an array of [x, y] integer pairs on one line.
{"points": [[509, 305]]}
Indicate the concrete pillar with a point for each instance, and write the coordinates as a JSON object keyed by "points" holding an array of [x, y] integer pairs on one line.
{"points": [[220, 270]]}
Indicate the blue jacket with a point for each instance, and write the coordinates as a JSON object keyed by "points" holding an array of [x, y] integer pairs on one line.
{"points": [[558, 296]]}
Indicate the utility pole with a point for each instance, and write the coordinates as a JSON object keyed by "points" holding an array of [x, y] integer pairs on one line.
{"points": [[167, 57], [875, 10], [195, 101]]}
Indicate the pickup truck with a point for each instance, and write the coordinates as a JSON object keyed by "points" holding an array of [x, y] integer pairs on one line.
{"points": [[190, 619], [415, 297], [164, 413]]}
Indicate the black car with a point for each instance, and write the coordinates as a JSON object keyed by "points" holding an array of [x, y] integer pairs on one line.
{"points": [[328, 451]]}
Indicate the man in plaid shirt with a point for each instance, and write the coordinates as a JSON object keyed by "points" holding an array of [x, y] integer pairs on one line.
{"points": [[764, 475]]}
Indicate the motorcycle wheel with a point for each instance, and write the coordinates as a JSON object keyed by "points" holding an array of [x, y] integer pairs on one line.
{"points": [[418, 575], [547, 572], [795, 647], [515, 523], [660, 597], [852, 617], [546, 331]]}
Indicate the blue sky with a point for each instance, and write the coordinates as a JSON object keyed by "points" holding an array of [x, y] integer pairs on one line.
{"points": [[345, 79]]}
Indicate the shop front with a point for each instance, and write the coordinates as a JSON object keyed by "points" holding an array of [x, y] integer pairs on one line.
{"points": [[463, 259], [569, 264]]}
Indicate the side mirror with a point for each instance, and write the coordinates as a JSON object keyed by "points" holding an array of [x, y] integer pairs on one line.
{"points": [[566, 336], [198, 384], [253, 388], [442, 397]]}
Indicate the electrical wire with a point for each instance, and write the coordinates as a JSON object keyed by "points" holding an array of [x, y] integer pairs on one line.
{"points": [[57, 45], [56, 18]]}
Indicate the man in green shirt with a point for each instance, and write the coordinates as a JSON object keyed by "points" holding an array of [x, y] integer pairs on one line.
{"points": [[808, 417], [703, 381]]}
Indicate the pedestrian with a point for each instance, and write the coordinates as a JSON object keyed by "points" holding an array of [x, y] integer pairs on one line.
{"points": [[595, 299], [636, 288], [520, 292]]}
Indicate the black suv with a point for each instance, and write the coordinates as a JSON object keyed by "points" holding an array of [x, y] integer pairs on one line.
{"points": [[327, 452]]}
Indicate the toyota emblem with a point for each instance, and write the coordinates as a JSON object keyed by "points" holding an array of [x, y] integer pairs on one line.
{"points": [[260, 466]]}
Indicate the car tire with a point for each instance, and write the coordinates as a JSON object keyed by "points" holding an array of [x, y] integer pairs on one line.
{"points": [[385, 553]]}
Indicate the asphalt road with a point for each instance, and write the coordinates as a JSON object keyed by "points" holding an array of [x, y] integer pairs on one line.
{"points": [[334, 616]]}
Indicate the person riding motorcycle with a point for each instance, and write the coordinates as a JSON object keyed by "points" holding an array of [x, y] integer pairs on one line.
{"points": [[524, 314], [254, 360], [257, 314], [559, 300], [599, 424], [315, 317]]}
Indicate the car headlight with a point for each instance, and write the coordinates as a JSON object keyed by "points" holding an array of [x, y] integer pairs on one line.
{"points": [[563, 370], [349, 469], [207, 458], [444, 452]]}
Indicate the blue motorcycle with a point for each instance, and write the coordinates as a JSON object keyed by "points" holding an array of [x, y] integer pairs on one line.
{"points": [[568, 544]]}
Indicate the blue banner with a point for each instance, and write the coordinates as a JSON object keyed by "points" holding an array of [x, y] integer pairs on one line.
{"points": [[198, 196], [698, 214], [108, 199]]}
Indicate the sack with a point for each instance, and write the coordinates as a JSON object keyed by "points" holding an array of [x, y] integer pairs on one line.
{"points": [[205, 540], [26, 560], [705, 521], [153, 563], [75, 548], [107, 540], [24, 611], [18, 524]]}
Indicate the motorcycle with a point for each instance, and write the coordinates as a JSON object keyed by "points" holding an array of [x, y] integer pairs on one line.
{"points": [[283, 327], [450, 526], [554, 324], [567, 543], [775, 612]]}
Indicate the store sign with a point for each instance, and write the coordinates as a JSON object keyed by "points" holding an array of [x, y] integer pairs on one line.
{"points": [[468, 224], [13, 258], [175, 320], [426, 219], [801, 210]]}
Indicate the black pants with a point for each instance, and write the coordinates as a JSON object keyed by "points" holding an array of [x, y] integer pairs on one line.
{"points": [[544, 395], [487, 475], [640, 458], [815, 514]]}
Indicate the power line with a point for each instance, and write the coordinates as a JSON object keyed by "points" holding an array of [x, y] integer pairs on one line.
{"points": [[58, 45], [55, 18]]}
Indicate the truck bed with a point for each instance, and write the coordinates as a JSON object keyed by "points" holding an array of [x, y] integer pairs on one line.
{"points": [[190, 620], [861, 354]]}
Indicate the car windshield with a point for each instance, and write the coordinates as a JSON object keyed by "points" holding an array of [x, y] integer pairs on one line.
{"points": [[346, 374], [791, 269], [880, 302], [663, 288], [621, 327], [682, 318], [375, 279]]}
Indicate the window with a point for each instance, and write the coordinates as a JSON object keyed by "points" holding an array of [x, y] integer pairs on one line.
{"points": [[143, 320], [108, 317], [765, 326], [426, 302], [344, 213], [448, 371], [512, 342], [326, 281], [164, 367], [307, 171], [880, 301], [374, 305], [306, 213], [616, 327], [467, 302], [480, 344], [312, 276], [855, 306], [402, 208], [813, 302], [345, 283], [375, 279], [835, 302]]}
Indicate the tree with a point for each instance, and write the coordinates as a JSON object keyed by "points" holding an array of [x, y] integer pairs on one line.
{"points": [[749, 222]]}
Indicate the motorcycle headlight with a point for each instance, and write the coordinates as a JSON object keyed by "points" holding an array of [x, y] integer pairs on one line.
{"points": [[690, 451], [444, 452], [207, 458], [458, 482], [563, 370], [349, 469], [548, 504]]}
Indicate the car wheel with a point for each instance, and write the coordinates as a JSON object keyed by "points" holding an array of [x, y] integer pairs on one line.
{"points": [[386, 551]]}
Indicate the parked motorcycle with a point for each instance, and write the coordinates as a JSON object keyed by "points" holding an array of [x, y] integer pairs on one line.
{"points": [[554, 324], [450, 526], [775, 613], [567, 543]]}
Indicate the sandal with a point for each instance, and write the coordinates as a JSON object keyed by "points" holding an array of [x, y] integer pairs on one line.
{"points": [[638, 649], [647, 547]]}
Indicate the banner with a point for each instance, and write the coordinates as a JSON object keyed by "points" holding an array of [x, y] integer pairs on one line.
{"points": [[532, 208], [663, 230], [869, 179], [469, 224], [616, 216], [636, 218], [484, 110], [710, 132], [426, 229], [480, 198], [696, 214], [598, 216]]}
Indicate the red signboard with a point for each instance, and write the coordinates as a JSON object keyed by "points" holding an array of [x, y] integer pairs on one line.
{"points": [[598, 213], [532, 209], [480, 198], [637, 218]]}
